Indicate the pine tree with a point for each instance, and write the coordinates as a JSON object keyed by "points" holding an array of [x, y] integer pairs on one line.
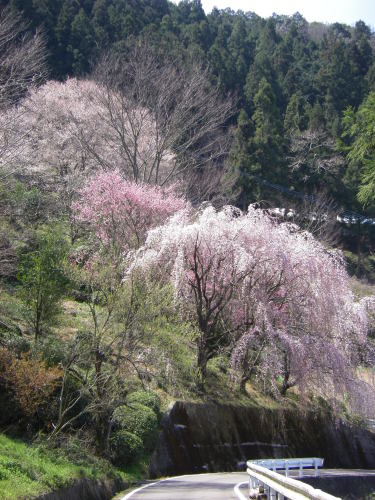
{"points": [[295, 115], [81, 42]]}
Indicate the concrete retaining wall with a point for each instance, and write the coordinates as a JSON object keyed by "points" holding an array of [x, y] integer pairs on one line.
{"points": [[212, 437]]}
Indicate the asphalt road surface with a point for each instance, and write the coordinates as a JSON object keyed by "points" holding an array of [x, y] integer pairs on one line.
{"points": [[226, 486], [219, 486]]}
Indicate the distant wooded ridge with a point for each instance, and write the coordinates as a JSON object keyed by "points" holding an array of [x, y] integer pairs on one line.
{"points": [[293, 80]]}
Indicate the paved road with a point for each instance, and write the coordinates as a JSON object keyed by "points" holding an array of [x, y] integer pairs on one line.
{"points": [[219, 486], [196, 487]]}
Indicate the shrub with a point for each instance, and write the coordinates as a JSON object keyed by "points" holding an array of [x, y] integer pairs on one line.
{"points": [[140, 420], [30, 380], [125, 447], [50, 349], [15, 343], [146, 398]]}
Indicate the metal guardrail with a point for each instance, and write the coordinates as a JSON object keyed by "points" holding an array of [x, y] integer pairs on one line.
{"points": [[279, 487], [287, 464]]}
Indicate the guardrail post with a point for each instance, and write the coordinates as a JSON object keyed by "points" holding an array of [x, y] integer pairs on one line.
{"points": [[316, 468]]}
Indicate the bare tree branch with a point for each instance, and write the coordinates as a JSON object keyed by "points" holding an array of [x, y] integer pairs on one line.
{"points": [[180, 113], [314, 152], [22, 57]]}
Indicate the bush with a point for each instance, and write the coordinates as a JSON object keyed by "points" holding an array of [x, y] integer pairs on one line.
{"points": [[125, 447], [145, 398], [50, 349], [140, 420], [15, 343], [30, 380]]}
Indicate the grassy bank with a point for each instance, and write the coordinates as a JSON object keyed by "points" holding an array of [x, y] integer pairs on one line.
{"points": [[29, 471]]}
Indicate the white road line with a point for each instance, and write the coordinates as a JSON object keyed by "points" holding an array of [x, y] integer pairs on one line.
{"points": [[138, 489], [237, 491], [129, 495]]}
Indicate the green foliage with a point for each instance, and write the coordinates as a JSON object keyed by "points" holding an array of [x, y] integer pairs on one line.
{"points": [[26, 472], [14, 342], [125, 447], [42, 280], [266, 117], [261, 154], [23, 208], [295, 115], [316, 117], [139, 420], [51, 349], [27, 205], [145, 398], [359, 128]]}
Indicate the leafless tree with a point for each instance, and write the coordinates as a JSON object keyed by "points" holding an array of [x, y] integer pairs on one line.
{"points": [[22, 66], [213, 183], [22, 57], [314, 152], [316, 214], [183, 116]]}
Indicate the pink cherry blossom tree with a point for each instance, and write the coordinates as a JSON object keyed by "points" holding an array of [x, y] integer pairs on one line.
{"points": [[120, 212], [277, 296]]}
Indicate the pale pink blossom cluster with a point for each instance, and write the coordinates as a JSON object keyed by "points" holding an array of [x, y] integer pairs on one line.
{"points": [[78, 126], [280, 298]]}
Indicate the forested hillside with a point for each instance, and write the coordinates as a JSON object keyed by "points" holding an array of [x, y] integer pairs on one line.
{"points": [[171, 190], [293, 81]]}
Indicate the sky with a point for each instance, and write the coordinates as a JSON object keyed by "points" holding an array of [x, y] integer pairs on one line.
{"points": [[328, 11]]}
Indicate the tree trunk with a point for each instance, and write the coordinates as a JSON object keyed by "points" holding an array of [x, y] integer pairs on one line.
{"points": [[102, 434], [201, 366], [359, 249], [38, 326], [286, 384]]}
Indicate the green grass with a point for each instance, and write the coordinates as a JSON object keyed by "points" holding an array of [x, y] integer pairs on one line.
{"points": [[29, 471]]}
